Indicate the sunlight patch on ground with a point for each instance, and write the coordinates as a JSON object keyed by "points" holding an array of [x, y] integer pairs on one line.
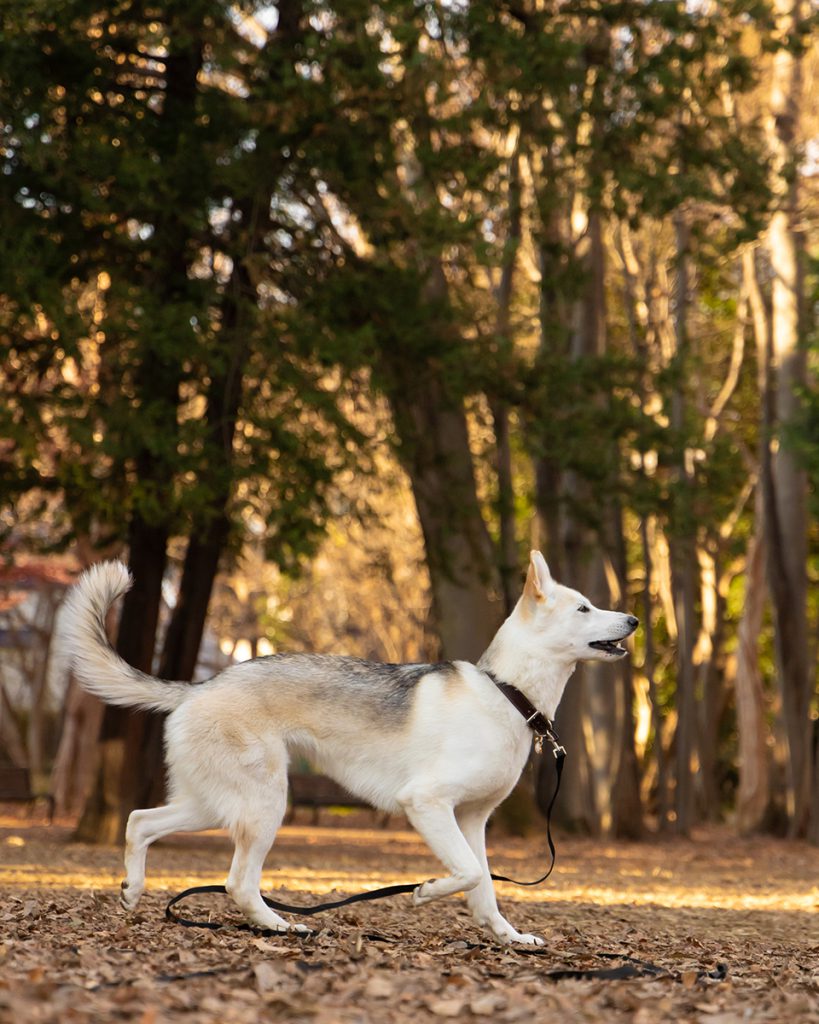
{"points": [[318, 883]]}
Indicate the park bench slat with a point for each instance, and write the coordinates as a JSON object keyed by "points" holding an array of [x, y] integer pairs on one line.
{"points": [[15, 783]]}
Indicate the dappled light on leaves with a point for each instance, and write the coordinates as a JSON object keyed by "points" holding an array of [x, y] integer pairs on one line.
{"points": [[68, 951]]}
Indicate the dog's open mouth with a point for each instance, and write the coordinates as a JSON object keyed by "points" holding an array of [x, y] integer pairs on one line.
{"points": [[608, 647]]}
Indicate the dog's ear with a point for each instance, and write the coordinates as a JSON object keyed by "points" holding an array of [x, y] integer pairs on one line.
{"points": [[538, 579]]}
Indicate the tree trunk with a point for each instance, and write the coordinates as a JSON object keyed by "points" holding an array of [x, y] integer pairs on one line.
{"points": [[575, 810], [209, 535], [44, 617], [754, 789], [709, 684], [118, 770], [683, 554], [813, 825], [786, 524], [592, 717], [180, 653], [548, 482], [663, 792], [507, 545], [434, 449], [637, 313], [74, 764], [761, 317], [13, 743], [627, 807]]}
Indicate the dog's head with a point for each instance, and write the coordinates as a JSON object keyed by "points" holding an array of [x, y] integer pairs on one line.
{"points": [[564, 623]]}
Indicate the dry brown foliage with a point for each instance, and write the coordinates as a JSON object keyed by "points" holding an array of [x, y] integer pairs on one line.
{"points": [[68, 953]]}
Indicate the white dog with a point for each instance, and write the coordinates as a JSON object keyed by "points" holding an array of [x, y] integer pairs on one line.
{"points": [[442, 743]]}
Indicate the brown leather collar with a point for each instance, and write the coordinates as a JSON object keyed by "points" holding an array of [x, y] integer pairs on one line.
{"points": [[541, 726]]}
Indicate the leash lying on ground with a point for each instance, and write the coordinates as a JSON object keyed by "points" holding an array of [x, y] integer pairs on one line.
{"points": [[629, 968], [542, 728]]}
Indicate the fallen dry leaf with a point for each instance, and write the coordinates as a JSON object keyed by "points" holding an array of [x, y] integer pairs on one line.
{"points": [[446, 1007], [379, 987], [486, 1005], [267, 976]]}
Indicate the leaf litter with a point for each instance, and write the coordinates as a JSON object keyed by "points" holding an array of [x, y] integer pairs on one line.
{"points": [[68, 953]]}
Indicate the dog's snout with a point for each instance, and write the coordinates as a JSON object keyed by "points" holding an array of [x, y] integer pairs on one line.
{"points": [[633, 622]]}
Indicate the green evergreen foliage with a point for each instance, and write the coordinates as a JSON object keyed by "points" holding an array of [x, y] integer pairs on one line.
{"points": [[132, 184]]}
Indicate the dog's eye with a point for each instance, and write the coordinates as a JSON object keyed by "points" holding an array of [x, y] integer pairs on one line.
{"points": [[584, 608]]}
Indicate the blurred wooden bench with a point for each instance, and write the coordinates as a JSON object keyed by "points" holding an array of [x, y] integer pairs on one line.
{"points": [[317, 791], [15, 787]]}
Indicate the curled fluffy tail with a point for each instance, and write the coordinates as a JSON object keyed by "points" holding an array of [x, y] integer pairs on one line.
{"points": [[96, 664]]}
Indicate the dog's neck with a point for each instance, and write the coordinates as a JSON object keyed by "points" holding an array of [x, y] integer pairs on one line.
{"points": [[542, 682]]}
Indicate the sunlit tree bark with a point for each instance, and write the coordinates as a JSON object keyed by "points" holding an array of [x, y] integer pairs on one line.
{"points": [[754, 785], [683, 551], [783, 478]]}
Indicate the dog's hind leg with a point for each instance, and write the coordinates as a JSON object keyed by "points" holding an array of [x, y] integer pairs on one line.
{"points": [[253, 830], [145, 827], [482, 899], [435, 821]]}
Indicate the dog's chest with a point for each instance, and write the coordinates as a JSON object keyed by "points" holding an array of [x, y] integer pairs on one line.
{"points": [[489, 761]]}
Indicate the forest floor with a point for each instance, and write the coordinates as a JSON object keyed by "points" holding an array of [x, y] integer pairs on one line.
{"points": [[68, 953]]}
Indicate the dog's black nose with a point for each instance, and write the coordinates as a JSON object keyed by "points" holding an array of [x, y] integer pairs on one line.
{"points": [[633, 622]]}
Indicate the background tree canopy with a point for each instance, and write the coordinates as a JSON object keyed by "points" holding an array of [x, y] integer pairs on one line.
{"points": [[268, 270]]}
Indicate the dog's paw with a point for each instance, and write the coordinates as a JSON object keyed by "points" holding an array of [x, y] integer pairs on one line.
{"points": [[129, 896], [281, 927], [508, 935], [421, 894]]}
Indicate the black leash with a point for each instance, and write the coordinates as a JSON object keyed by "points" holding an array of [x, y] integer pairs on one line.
{"points": [[628, 968], [543, 729]]}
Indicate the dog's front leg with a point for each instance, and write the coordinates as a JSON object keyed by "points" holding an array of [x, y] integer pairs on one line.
{"points": [[482, 899], [435, 821]]}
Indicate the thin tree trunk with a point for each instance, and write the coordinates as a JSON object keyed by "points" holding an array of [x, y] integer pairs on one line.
{"points": [[548, 482], [709, 683], [13, 744], [74, 764], [638, 324], [574, 810], [627, 808], [761, 318], [47, 603], [507, 547], [683, 556], [596, 734], [754, 789], [786, 510], [663, 792], [118, 770]]}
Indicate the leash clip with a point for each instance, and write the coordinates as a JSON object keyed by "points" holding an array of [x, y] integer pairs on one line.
{"points": [[558, 750]]}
